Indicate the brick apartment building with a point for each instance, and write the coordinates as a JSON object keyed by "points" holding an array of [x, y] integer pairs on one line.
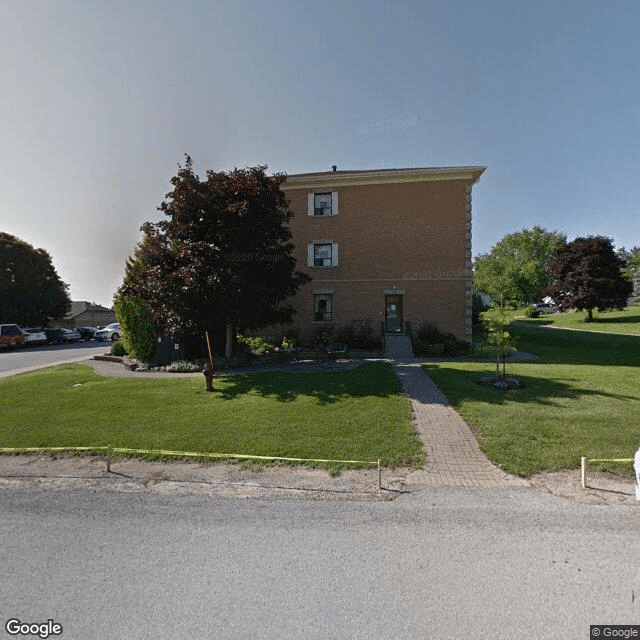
{"points": [[384, 248]]}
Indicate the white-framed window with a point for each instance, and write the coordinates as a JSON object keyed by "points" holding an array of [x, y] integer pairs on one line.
{"points": [[322, 307], [323, 203], [322, 254]]}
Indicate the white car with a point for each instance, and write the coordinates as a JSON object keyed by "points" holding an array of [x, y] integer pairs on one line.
{"points": [[34, 336], [110, 332]]}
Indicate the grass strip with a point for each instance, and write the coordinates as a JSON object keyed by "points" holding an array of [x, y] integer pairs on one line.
{"points": [[627, 321], [360, 414]]}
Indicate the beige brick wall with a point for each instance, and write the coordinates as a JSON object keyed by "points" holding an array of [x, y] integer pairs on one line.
{"points": [[411, 237]]}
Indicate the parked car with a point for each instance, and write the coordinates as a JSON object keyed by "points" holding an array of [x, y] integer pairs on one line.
{"points": [[11, 335], [110, 332], [59, 335], [87, 333], [544, 307], [34, 336]]}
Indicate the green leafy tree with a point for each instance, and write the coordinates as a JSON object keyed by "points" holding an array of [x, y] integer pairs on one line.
{"points": [[586, 274], [31, 292], [632, 271], [222, 261], [495, 321], [516, 268]]}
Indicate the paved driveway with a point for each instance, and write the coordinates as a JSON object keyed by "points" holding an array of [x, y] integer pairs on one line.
{"points": [[21, 360]]}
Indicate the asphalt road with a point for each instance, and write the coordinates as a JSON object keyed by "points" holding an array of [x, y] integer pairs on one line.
{"points": [[24, 359], [436, 564]]}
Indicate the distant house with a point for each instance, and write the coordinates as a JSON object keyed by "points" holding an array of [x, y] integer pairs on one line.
{"points": [[485, 298], [87, 314]]}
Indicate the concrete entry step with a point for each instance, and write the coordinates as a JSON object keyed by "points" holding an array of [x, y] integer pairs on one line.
{"points": [[397, 345]]}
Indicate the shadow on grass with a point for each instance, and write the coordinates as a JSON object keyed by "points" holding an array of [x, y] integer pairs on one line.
{"points": [[601, 319], [367, 380], [598, 319], [536, 322], [461, 385]]}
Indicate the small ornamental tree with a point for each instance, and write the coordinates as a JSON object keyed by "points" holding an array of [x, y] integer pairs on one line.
{"points": [[222, 261], [586, 274], [495, 320]]}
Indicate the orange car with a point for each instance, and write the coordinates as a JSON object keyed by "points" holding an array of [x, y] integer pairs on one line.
{"points": [[10, 335]]}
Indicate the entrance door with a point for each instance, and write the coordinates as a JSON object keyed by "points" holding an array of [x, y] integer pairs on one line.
{"points": [[393, 313]]}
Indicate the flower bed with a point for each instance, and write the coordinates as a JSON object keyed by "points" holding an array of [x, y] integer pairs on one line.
{"points": [[504, 384]]}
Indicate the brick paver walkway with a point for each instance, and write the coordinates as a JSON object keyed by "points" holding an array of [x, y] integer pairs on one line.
{"points": [[453, 457]]}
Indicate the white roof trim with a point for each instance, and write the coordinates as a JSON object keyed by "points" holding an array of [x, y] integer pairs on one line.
{"points": [[332, 179]]}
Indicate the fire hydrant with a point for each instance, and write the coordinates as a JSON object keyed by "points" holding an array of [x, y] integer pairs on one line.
{"points": [[208, 377]]}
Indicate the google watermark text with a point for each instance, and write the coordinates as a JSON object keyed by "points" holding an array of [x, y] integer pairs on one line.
{"points": [[15, 627]]}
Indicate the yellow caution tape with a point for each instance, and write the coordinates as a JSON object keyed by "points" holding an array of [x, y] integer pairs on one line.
{"points": [[180, 453]]}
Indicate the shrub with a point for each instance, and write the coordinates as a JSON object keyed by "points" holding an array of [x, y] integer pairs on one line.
{"points": [[289, 343], [322, 336], [255, 344], [531, 312], [454, 346], [259, 346], [431, 340], [476, 309], [427, 337], [118, 349], [137, 327], [358, 336], [431, 333]]}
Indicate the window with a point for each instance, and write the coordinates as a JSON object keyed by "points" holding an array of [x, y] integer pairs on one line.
{"points": [[10, 330], [323, 204], [322, 307], [322, 254]]}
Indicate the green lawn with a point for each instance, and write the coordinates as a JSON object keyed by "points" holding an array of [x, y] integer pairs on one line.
{"points": [[627, 321], [350, 415], [581, 398]]}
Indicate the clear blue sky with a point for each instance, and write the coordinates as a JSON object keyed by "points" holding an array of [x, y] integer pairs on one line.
{"points": [[99, 102]]}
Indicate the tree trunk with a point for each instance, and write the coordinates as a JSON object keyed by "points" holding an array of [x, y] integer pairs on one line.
{"points": [[589, 315], [229, 340]]}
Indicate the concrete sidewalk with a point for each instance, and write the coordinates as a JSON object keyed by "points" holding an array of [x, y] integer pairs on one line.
{"points": [[453, 457]]}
